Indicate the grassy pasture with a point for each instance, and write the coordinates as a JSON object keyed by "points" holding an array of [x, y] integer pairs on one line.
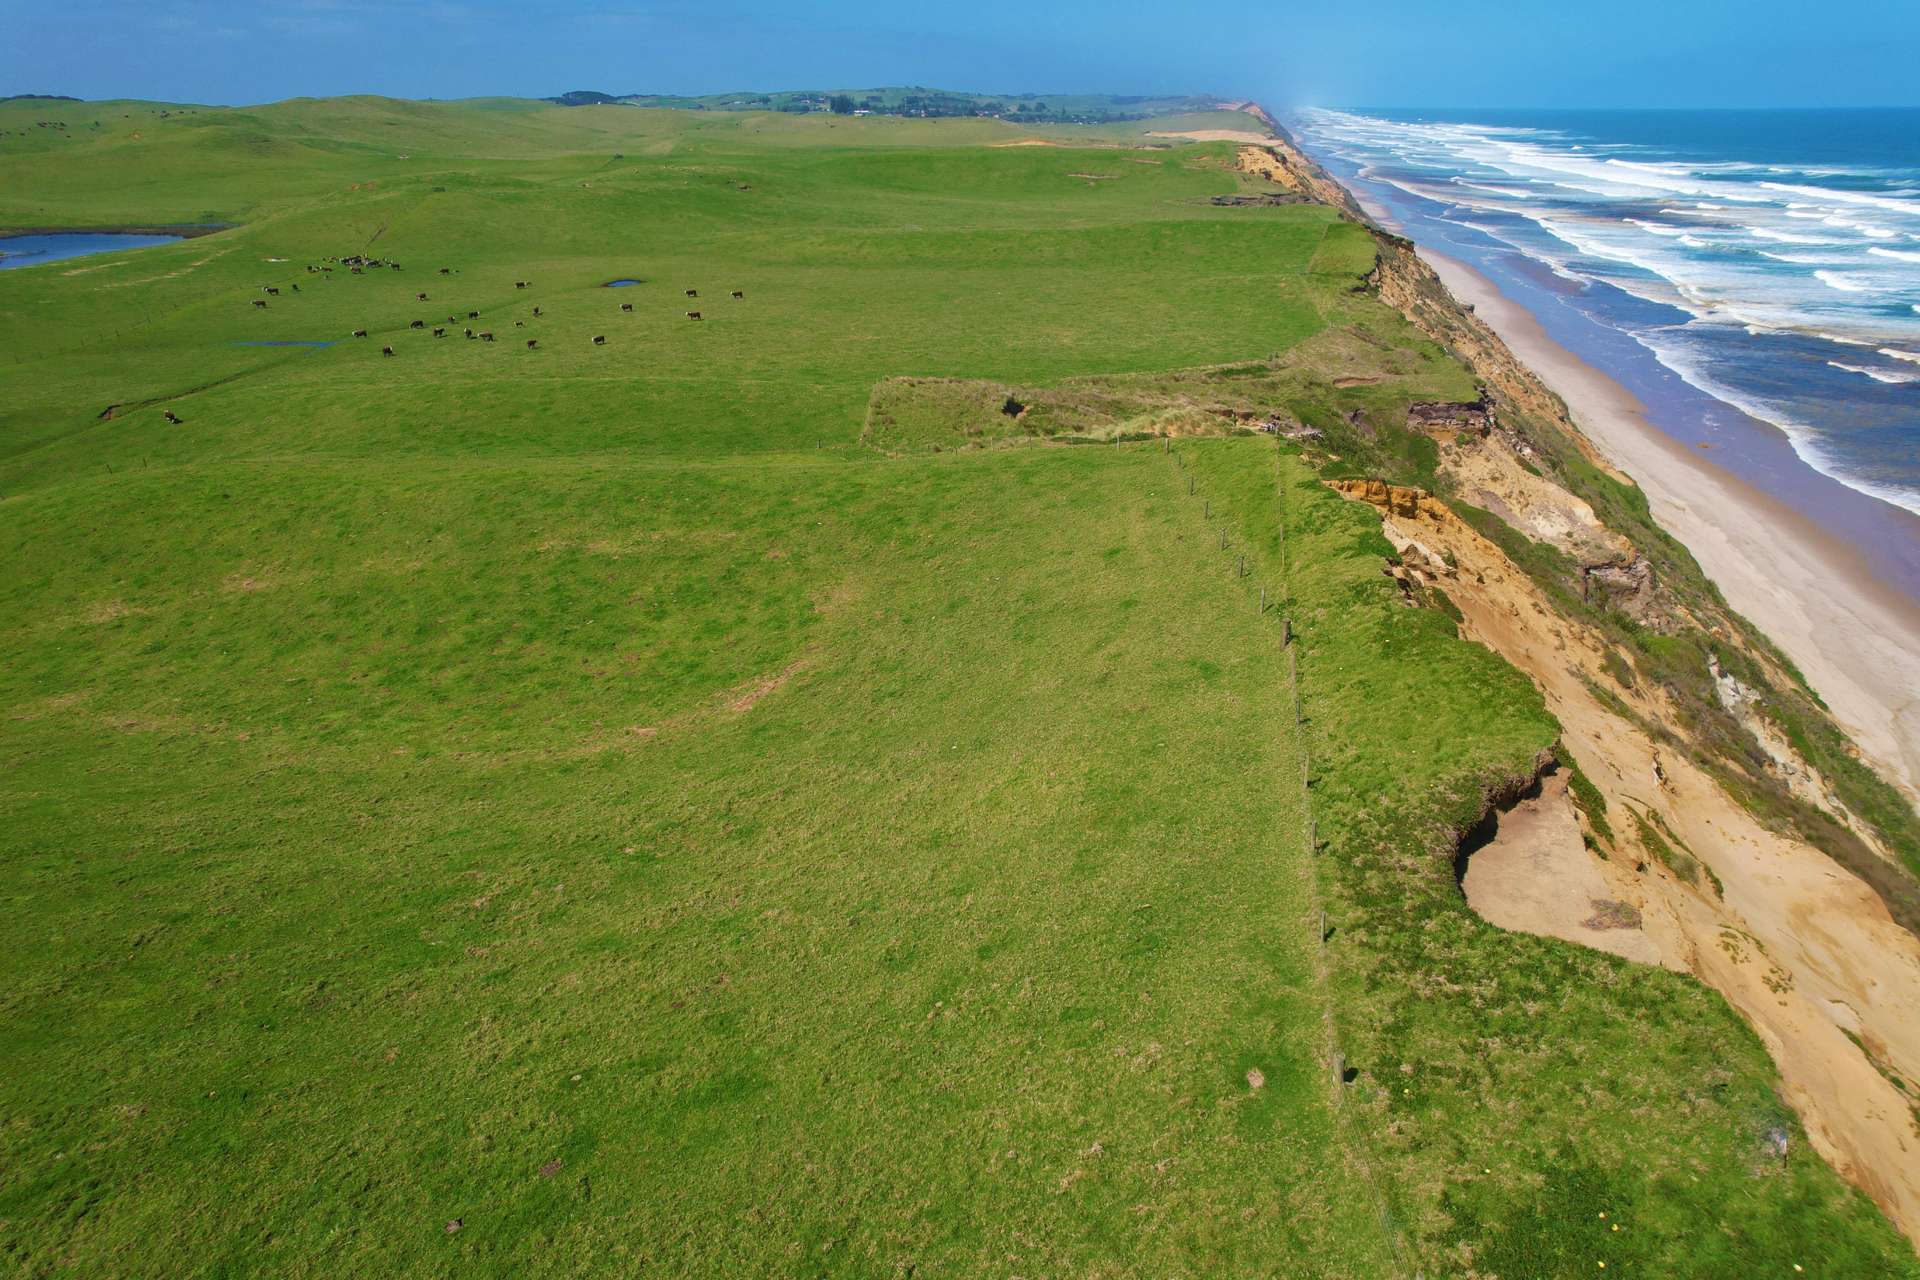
{"points": [[587, 796]]}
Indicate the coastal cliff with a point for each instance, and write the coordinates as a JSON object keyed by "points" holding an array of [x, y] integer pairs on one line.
{"points": [[1717, 797]]}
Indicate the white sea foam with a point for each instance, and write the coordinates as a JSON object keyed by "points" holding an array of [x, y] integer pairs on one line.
{"points": [[1788, 237], [1806, 442], [1893, 376], [1900, 255], [1898, 354], [1907, 207], [1844, 283]]}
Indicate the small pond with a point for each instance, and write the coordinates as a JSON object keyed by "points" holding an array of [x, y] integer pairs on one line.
{"points": [[31, 251], [618, 284]]}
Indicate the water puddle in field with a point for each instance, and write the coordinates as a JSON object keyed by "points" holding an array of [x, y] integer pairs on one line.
{"points": [[620, 284], [31, 251]]}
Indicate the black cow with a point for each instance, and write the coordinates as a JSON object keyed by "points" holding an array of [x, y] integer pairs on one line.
{"points": [[739, 293], [626, 306], [272, 292], [536, 311], [438, 332], [386, 351], [418, 324], [693, 315], [532, 343], [359, 333], [469, 332], [599, 340], [260, 303], [421, 296], [446, 271], [693, 293], [519, 284], [486, 335], [473, 315]]}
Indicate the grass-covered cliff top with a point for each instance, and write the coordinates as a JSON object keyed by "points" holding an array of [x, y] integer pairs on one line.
{"points": [[589, 807]]}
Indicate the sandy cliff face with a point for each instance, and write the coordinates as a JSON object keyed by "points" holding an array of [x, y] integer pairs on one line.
{"points": [[1806, 948], [1800, 946]]}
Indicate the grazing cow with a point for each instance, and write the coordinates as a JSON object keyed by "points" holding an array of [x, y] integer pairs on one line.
{"points": [[739, 293], [469, 332], [626, 306], [260, 303], [171, 416], [473, 315], [446, 271], [272, 292], [519, 324], [693, 315], [519, 284], [359, 333], [386, 351], [599, 340], [532, 343], [418, 324], [438, 332], [296, 288], [486, 335], [421, 296], [536, 311], [693, 293]]}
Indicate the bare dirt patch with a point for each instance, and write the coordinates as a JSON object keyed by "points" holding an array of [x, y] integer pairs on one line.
{"points": [[750, 695], [1527, 868]]}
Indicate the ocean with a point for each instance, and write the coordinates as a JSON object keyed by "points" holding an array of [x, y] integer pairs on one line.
{"points": [[1726, 266]]}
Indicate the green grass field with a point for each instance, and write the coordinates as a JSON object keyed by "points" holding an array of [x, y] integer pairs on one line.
{"points": [[602, 810]]}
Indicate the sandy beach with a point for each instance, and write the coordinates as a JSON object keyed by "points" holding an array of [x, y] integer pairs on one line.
{"points": [[1856, 639]]}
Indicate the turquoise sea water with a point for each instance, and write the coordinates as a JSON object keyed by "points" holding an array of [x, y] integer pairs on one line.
{"points": [[1727, 266]]}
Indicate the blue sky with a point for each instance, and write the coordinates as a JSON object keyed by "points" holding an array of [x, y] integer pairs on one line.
{"points": [[1443, 53]]}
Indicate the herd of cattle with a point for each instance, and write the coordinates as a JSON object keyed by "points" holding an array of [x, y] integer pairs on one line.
{"points": [[360, 264]]}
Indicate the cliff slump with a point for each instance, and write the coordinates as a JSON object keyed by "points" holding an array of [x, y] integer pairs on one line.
{"points": [[1808, 953], [1724, 809]]}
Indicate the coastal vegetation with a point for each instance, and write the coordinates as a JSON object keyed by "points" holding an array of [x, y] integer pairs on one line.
{"points": [[915, 773]]}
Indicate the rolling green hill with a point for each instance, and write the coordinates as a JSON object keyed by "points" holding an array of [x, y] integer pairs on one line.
{"points": [[605, 808]]}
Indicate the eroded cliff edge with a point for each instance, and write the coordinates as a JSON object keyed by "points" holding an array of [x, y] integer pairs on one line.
{"points": [[1715, 796]]}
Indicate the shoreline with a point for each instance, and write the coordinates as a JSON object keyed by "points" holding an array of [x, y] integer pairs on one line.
{"points": [[1856, 639], [185, 230]]}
